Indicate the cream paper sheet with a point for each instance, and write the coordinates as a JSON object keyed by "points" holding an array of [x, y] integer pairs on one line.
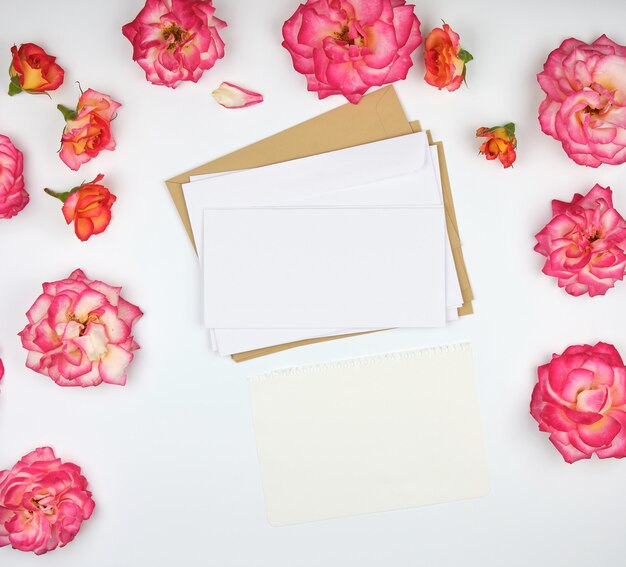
{"points": [[369, 435]]}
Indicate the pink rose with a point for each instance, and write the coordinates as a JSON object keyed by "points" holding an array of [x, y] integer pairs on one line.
{"points": [[347, 46], [585, 243], [580, 400], [585, 104], [79, 332], [175, 40], [13, 196], [43, 502]]}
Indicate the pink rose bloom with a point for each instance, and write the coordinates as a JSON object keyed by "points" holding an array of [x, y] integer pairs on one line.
{"points": [[580, 400], [43, 502], [79, 332], [585, 243], [175, 40], [585, 104], [13, 196], [347, 46]]}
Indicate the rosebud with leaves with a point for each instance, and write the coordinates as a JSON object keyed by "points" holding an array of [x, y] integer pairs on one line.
{"points": [[88, 206], [445, 59], [500, 143]]}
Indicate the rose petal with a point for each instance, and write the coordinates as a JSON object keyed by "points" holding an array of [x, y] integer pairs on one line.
{"points": [[232, 96]]}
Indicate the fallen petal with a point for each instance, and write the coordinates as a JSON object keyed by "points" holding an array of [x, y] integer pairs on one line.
{"points": [[232, 96]]}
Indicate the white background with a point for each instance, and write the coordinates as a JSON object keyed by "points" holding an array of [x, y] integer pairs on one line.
{"points": [[171, 457]]}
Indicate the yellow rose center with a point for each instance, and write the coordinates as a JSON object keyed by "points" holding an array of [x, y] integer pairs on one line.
{"points": [[37, 502], [344, 35], [175, 35], [84, 321], [595, 236]]}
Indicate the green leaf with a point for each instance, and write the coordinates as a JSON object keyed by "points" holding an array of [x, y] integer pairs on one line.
{"points": [[14, 86], [465, 56], [67, 113]]}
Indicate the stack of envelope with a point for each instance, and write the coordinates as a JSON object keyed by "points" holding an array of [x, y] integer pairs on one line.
{"points": [[341, 225]]}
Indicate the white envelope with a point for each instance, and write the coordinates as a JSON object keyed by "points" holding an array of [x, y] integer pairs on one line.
{"points": [[198, 195], [317, 267], [396, 171]]}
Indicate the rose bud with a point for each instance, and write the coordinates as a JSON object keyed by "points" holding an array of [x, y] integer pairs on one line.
{"points": [[87, 129], [500, 143], [88, 206], [444, 58], [33, 70]]}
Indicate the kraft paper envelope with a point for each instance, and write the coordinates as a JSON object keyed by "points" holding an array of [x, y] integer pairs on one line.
{"points": [[378, 115]]}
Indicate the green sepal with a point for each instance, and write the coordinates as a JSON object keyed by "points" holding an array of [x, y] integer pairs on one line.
{"points": [[63, 195], [67, 113], [510, 129], [14, 86], [465, 56]]}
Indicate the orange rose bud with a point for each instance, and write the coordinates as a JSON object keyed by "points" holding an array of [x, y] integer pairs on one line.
{"points": [[445, 59], [33, 70], [500, 143], [88, 206]]}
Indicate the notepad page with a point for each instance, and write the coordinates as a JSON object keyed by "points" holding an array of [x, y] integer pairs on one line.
{"points": [[369, 435]]}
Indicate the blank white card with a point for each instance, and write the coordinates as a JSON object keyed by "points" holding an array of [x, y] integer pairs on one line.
{"points": [[369, 435], [324, 268]]}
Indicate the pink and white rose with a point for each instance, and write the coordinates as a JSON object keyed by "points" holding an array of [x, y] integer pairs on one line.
{"points": [[585, 243], [79, 332], [580, 399], [347, 46], [175, 40], [43, 502], [585, 104], [13, 196]]}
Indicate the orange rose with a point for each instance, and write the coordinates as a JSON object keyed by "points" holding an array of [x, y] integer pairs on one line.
{"points": [[33, 70], [445, 60], [88, 206], [500, 143], [88, 128]]}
